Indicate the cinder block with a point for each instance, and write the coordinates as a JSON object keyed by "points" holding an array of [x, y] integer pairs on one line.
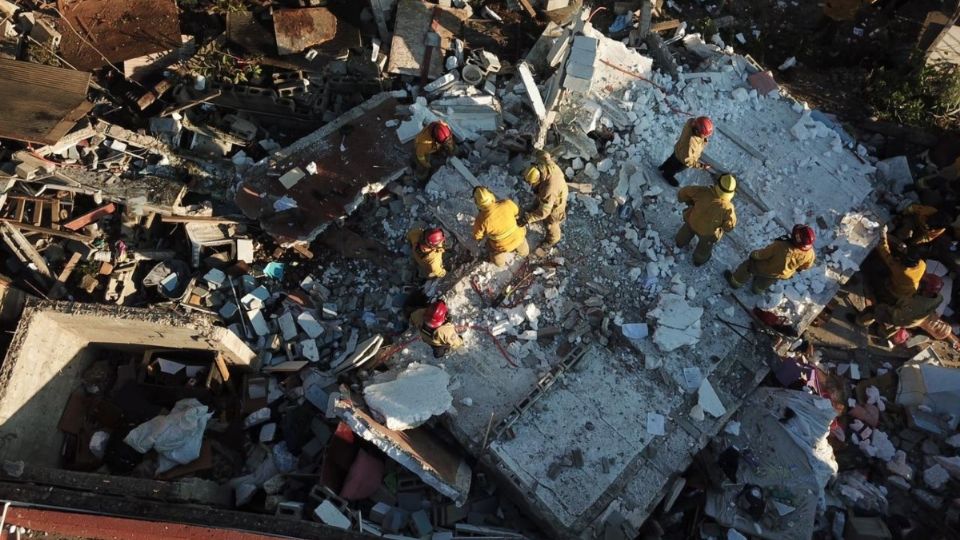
{"points": [[576, 84], [580, 71], [379, 512], [395, 520], [420, 523], [585, 43], [290, 509]]}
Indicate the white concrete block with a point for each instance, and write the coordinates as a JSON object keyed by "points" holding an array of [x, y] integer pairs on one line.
{"points": [[291, 177], [329, 514], [310, 325], [308, 348], [245, 250], [258, 322], [288, 328], [442, 82], [709, 401], [576, 84], [533, 93]]}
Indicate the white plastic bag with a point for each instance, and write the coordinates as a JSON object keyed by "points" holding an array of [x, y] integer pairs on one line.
{"points": [[176, 437]]}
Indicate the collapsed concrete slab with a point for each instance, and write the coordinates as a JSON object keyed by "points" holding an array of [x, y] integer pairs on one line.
{"points": [[578, 451], [340, 163], [416, 449]]}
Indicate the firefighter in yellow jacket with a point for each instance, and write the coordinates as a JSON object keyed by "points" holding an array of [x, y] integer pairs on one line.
{"points": [[434, 329], [688, 149], [550, 186], [497, 222], [709, 214], [435, 137], [922, 224], [783, 258], [426, 250], [906, 271], [909, 313]]}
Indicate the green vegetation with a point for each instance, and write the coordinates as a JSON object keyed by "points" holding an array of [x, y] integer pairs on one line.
{"points": [[925, 97], [217, 64]]}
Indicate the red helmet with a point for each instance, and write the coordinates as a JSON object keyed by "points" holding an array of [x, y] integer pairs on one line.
{"points": [[703, 126], [440, 131], [803, 236], [436, 314], [931, 284], [434, 237]]}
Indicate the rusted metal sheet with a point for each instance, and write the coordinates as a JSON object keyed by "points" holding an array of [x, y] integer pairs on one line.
{"points": [[299, 29], [40, 103], [116, 29], [353, 155]]}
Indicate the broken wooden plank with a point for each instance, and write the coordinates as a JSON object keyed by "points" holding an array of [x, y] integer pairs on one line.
{"points": [[59, 287], [464, 171], [22, 247], [82, 221], [663, 26], [192, 103], [528, 8], [48, 231], [217, 220]]}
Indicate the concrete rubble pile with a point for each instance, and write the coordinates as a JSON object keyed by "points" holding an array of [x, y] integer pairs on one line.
{"points": [[208, 292]]}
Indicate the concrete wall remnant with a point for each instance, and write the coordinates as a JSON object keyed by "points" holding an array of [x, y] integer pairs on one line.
{"points": [[56, 341]]}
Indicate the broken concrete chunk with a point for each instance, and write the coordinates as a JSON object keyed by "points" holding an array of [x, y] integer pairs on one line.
{"points": [[308, 348], [257, 417], [291, 177], [245, 250], [678, 323], [255, 298], [439, 84], [258, 322], [288, 328], [417, 394], [310, 325], [709, 401], [533, 93], [329, 514]]}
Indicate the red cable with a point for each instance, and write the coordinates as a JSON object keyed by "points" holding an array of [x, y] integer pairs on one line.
{"points": [[495, 342], [599, 9], [394, 349]]}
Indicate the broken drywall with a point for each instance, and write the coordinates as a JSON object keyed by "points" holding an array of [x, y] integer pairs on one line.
{"points": [[417, 394], [677, 322]]}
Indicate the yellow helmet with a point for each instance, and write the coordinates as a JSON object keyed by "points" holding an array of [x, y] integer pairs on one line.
{"points": [[533, 176], [483, 196], [726, 186]]}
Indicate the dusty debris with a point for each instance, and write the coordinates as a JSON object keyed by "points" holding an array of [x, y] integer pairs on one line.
{"points": [[225, 218]]}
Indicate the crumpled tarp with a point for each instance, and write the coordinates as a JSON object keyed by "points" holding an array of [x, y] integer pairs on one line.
{"points": [[177, 437]]}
